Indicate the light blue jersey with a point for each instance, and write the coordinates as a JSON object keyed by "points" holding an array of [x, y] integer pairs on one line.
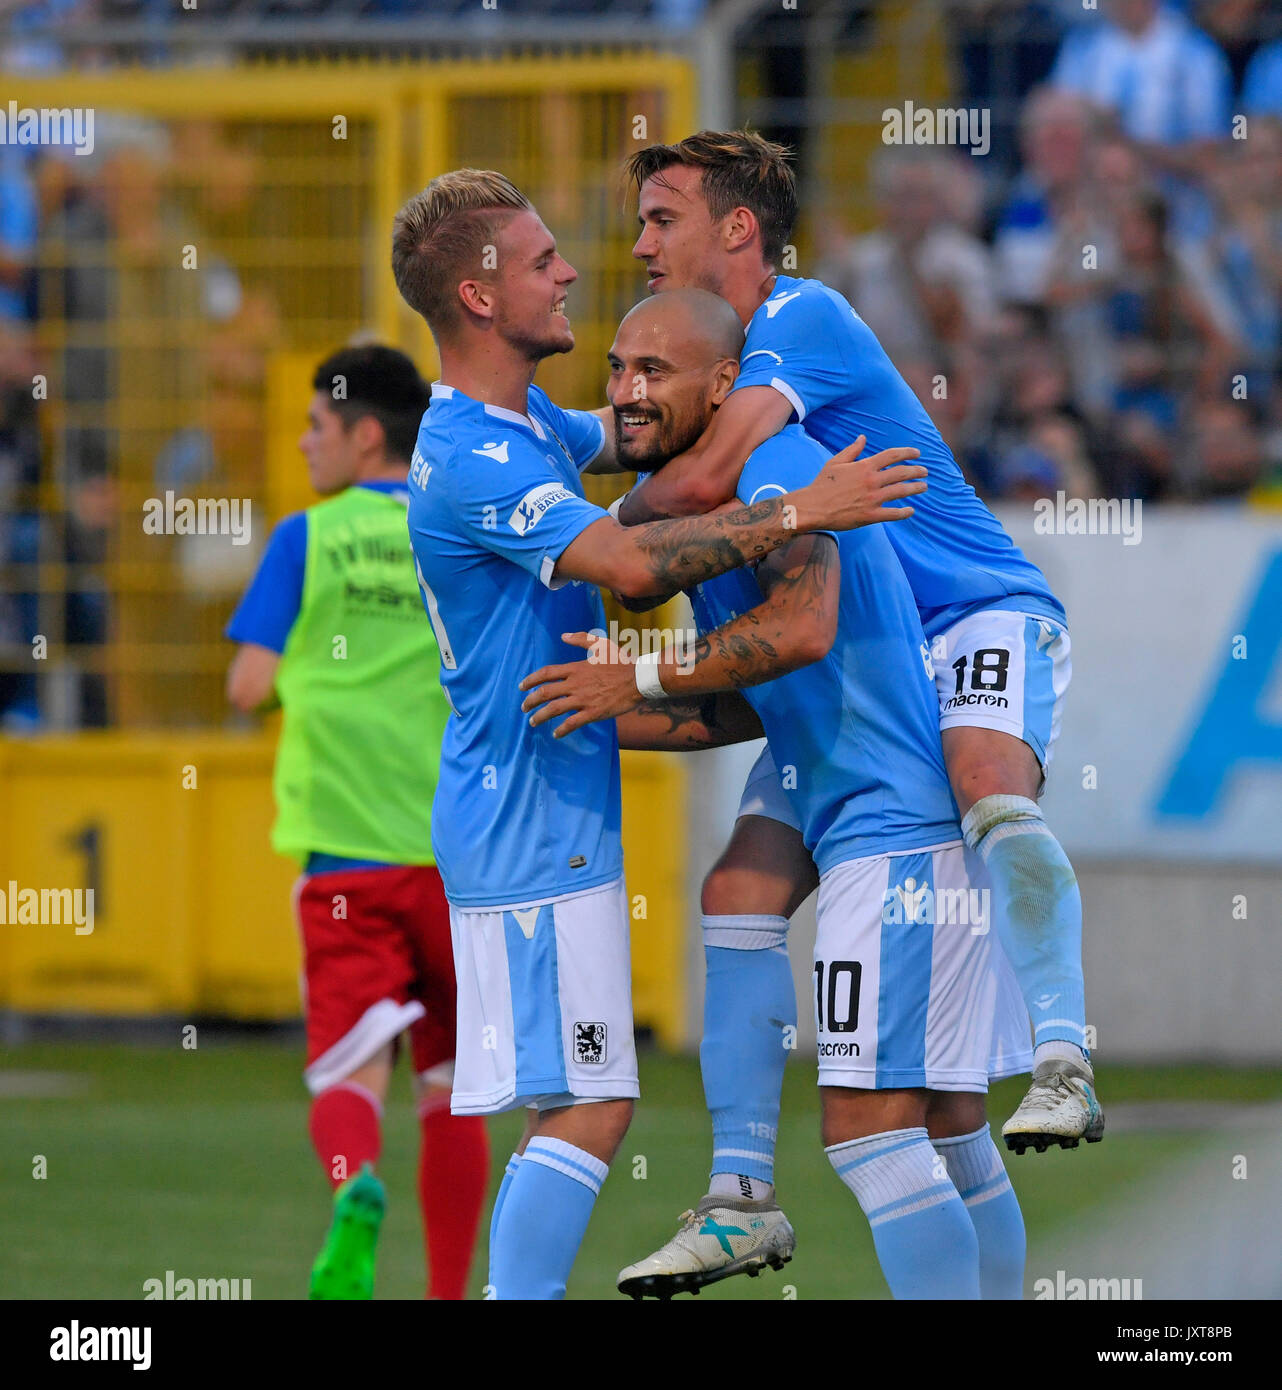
{"points": [[810, 345], [495, 498], [855, 736]]}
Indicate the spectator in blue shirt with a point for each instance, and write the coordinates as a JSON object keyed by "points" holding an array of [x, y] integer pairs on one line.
{"points": [[1168, 86], [1262, 86]]}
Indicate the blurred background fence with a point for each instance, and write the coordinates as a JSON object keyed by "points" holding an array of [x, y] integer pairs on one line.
{"points": [[1087, 296]]}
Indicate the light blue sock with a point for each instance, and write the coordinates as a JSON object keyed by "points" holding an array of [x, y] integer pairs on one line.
{"points": [[545, 1214], [925, 1241], [976, 1168], [504, 1187], [749, 1024], [1037, 910]]}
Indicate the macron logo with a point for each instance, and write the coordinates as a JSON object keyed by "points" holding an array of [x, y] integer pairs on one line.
{"points": [[774, 305], [497, 452]]}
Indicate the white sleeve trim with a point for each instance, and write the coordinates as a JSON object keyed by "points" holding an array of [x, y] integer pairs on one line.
{"points": [[789, 395], [546, 575]]}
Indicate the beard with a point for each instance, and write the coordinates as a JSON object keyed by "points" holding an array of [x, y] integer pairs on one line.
{"points": [[669, 438]]}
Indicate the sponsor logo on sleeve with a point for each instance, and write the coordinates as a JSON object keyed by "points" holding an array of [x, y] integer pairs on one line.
{"points": [[533, 505]]}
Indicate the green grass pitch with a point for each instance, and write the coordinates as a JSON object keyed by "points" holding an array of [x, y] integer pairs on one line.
{"points": [[198, 1162]]}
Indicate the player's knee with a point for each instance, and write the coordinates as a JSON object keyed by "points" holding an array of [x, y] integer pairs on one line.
{"points": [[850, 1113], [609, 1123], [996, 811], [727, 892], [952, 1113], [374, 1075]]}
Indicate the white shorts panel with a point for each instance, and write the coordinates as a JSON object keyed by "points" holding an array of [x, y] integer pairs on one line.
{"points": [[544, 1004], [375, 1028], [911, 987], [1016, 686], [763, 793]]}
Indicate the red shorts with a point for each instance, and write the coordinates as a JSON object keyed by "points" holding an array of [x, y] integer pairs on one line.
{"points": [[377, 960]]}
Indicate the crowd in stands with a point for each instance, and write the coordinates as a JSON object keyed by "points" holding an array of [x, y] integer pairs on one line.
{"points": [[1093, 306], [1098, 307]]}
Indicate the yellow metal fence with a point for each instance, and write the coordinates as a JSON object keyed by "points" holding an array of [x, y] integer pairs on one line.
{"points": [[191, 910], [231, 228], [229, 221]]}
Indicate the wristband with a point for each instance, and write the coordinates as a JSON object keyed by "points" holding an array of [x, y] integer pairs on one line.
{"points": [[614, 506], [647, 675]]}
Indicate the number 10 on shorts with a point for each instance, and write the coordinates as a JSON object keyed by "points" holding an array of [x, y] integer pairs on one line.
{"points": [[841, 997]]}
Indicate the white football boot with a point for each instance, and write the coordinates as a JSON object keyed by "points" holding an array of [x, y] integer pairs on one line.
{"points": [[1060, 1108], [720, 1237]]}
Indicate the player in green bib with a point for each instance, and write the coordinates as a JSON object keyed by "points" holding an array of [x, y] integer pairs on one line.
{"points": [[332, 628]]}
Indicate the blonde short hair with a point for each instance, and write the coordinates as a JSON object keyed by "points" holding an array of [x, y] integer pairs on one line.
{"points": [[439, 237]]}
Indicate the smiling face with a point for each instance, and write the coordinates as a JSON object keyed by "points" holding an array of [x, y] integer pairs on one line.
{"points": [[681, 245], [669, 371], [527, 297]]}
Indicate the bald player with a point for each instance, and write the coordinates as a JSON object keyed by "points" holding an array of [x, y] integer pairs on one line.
{"points": [[508, 555], [915, 1007]]}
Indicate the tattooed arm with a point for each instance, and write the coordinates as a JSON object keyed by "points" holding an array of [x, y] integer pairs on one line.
{"points": [[689, 725], [794, 626], [662, 556]]}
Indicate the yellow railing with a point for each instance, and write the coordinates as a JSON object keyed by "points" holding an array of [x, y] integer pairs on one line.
{"points": [[191, 909], [230, 225], [231, 228]]}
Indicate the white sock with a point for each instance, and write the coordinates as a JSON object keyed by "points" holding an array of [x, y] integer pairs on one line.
{"points": [[1057, 1050], [737, 1185]]}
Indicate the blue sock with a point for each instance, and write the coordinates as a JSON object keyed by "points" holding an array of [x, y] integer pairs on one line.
{"points": [[749, 1024], [545, 1214], [1037, 910], [504, 1187], [977, 1171], [925, 1241]]}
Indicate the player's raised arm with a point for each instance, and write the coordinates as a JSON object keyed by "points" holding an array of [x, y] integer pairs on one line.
{"points": [[794, 626], [707, 474], [663, 556]]}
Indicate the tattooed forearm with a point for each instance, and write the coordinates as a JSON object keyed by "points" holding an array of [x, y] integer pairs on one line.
{"points": [[747, 658], [687, 551], [682, 718], [794, 625], [677, 725]]}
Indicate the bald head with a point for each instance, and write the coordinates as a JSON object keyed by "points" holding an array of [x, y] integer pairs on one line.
{"points": [[673, 361], [702, 325]]}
